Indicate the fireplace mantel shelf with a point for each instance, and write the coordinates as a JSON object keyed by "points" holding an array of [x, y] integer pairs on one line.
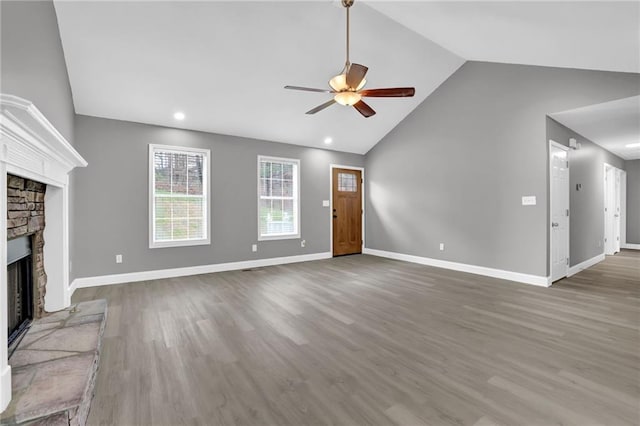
{"points": [[32, 148]]}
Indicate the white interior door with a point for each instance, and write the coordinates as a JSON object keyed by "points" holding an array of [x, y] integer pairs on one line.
{"points": [[612, 213], [608, 210], [616, 211], [559, 169], [623, 208]]}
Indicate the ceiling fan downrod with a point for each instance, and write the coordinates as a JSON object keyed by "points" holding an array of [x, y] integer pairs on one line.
{"points": [[347, 5]]}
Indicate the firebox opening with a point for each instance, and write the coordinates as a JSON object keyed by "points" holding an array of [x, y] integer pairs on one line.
{"points": [[20, 287]]}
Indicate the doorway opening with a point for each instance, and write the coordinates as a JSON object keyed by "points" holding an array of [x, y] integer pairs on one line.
{"points": [[347, 210]]}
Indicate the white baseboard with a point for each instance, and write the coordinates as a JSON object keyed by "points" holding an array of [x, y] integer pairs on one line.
{"points": [[191, 270], [73, 286], [630, 246], [586, 264], [5, 388], [472, 269]]}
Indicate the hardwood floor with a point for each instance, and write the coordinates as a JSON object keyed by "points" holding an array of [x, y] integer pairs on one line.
{"points": [[365, 340]]}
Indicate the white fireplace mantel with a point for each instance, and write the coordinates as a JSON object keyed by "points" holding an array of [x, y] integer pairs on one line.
{"points": [[31, 147]]}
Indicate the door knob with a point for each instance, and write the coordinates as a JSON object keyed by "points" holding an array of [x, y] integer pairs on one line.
{"points": [[555, 224], [335, 216]]}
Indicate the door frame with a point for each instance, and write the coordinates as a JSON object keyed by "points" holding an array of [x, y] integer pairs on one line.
{"points": [[364, 210], [555, 144], [622, 218]]}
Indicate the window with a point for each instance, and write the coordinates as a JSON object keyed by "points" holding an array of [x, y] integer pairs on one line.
{"points": [[278, 198], [178, 196]]}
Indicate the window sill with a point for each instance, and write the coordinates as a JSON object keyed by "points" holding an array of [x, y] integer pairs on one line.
{"points": [[184, 243], [278, 237]]}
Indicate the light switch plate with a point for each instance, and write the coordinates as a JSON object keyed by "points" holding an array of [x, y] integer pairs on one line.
{"points": [[529, 200], [325, 203]]}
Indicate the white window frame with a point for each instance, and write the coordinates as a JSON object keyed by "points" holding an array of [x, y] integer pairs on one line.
{"points": [[296, 183], [153, 148]]}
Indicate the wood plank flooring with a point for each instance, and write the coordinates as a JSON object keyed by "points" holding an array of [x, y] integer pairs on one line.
{"points": [[365, 340]]}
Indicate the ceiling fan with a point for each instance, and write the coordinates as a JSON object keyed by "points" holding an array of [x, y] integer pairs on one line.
{"points": [[347, 87]]}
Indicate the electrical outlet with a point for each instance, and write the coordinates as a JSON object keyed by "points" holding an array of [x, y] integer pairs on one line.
{"points": [[303, 243], [441, 246], [254, 248], [118, 258]]}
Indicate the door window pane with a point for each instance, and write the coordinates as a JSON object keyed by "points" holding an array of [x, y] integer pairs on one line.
{"points": [[347, 182]]}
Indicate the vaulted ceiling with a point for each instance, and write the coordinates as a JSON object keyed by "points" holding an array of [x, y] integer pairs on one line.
{"points": [[597, 35], [224, 63]]}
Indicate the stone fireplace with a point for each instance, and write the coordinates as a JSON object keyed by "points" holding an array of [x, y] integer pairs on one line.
{"points": [[35, 162], [25, 218]]}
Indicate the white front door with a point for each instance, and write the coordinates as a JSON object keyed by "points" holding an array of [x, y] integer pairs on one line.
{"points": [[559, 165]]}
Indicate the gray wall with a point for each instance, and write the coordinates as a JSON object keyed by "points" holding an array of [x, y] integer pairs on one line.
{"points": [[633, 201], [455, 169], [587, 204], [111, 204], [33, 65]]}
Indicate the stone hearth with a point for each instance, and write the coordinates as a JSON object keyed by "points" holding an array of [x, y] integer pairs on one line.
{"points": [[54, 367]]}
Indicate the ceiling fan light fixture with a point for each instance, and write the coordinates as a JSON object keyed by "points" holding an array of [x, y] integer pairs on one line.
{"points": [[339, 83], [347, 98]]}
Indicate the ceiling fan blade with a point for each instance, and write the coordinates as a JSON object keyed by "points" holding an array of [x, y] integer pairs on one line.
{"points": [[395, 92], [321, 107], [355, 75], [364, 109], [308, 89]]}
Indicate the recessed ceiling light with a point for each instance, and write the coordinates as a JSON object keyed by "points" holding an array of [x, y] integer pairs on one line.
{"points": [[328, 141], [633, 145], [179, 115]]}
